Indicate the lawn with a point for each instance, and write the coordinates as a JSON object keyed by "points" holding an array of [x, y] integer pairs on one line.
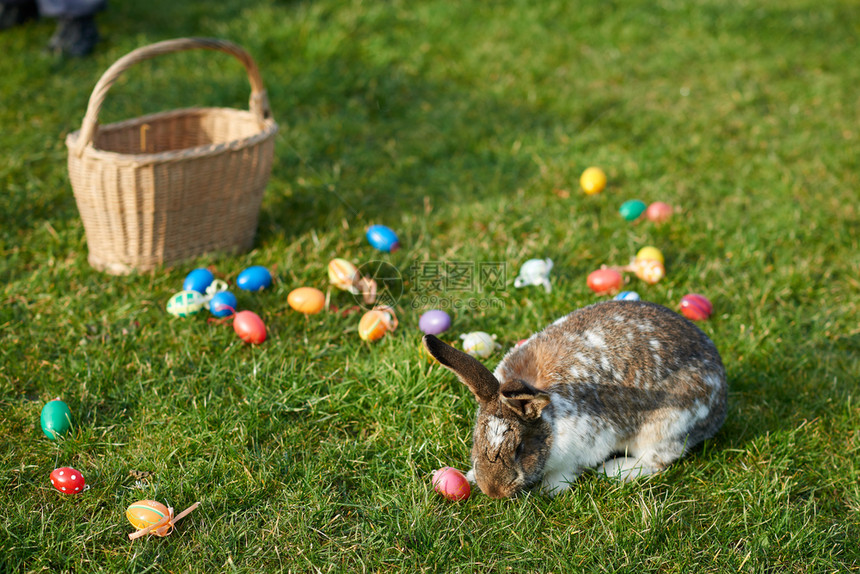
{"points": [[463, 126]]}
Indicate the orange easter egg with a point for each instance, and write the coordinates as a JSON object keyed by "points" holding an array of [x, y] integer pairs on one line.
{"points": [[307, 300], [144, 513], [649, 270], [372, 326]]}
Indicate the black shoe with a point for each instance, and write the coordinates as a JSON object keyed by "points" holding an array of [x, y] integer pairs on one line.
{"points": [[75, 36], [12, 15]]}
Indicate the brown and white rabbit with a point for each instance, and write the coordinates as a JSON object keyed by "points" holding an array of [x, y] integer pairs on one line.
{"points": [[618, 377]]}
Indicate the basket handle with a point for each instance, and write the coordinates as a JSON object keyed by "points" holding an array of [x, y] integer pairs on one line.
{"points": [[259, 103]]}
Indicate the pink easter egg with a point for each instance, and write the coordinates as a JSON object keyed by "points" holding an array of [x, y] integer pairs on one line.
{"points": [[696, 307], [450, 483], [658, 212], [605, 281], [249, 327]]}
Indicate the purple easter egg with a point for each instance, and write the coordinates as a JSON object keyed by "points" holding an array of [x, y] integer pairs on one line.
{"points": [[434, 322]]}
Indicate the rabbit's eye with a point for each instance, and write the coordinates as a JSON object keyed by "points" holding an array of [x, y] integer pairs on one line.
{"points": [[519, 451]]}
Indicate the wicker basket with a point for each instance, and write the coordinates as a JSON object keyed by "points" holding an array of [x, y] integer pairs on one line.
{"points": [[170, 186]]}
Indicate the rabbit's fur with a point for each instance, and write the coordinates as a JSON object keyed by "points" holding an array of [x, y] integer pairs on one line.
{"points": [[618, 377]]}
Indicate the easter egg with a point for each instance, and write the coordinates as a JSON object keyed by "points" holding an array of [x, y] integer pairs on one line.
{"points": [[592, 180], [144, 513], [249, 327], [521, 342], [627, 296], [696, 307], [198, 280], [631, 210], [383, 238], [223, 304], [434, 322], [342, 274], [658, 212], [650, 252], [185, 303], [307, 300], [68, 480], [649, 270], [56, 419], [604, 281], [374, 324], [254, 278], [451, 483], [479, 344]]}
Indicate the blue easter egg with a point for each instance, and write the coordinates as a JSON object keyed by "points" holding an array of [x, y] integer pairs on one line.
{"points": [[434, 322], [255, 278], [627, 296], [198, 280], [383, 238], [223, 304]]}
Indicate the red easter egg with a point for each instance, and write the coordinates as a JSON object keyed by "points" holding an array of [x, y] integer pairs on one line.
{"points": [[68, 480], [605, 281], [450, 483], [249, 327], [658, 212], [696, 307]]}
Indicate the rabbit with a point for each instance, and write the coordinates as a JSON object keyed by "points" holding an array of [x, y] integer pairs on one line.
{"points": [[618, 377]]}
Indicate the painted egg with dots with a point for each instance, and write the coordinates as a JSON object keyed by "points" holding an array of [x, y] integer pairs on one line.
{"points": [[55, 419], [254, 278], [198, 280], [632, 210], [383, 238], [434, 322], [249, 327], [592, 180], [604, 281], [659, 212], [145, 513], [68, 480], [307, 300], [696, 307], [185, 304], [451, 483], [223, 304], [649, 270], [628, 296]]}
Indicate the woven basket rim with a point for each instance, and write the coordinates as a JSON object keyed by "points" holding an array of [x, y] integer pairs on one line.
{"points": [[269, 129]]}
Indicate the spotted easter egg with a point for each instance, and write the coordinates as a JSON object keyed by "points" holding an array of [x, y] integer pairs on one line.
{"points": [[696, 307], [650, 252], [68, 480], [254, 278], [223, 304], [659, 212], [592, 180], [249, 327], [649, 270], [56, 419], [604, 281], [185, 303], [383, 238], [434, 322], [145, 513], [307, 300], [198, 280], [627, 296], [631, 210], [451, 483]]}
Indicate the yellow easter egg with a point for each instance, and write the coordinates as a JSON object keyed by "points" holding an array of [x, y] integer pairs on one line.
{"points": [[592, 180], [307, 300], [342, 274], [144, 513], [651, 253]]}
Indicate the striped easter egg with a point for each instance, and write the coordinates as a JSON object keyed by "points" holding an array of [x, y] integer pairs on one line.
{"points": [[627, 296], [144, 513]]}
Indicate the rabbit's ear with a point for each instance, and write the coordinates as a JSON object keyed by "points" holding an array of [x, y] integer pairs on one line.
{"points": [[475, 375], [525, 400]]}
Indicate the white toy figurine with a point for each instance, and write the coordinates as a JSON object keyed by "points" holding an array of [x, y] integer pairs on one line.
{"points": [[535, 272], [479, 344]]}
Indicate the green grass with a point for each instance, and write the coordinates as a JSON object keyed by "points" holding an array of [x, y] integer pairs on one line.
{"points": [[464, 126]]}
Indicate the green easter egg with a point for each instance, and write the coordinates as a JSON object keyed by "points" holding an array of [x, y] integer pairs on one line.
{"points": [[632, 209], [56, 419]]}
